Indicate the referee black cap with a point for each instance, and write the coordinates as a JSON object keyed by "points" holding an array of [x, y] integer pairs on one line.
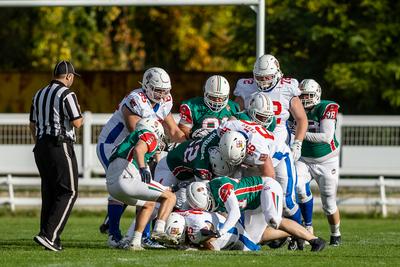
{"points": [[63, 68]]}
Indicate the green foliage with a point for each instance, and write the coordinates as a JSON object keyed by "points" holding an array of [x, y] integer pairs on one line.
{"points": [[350, 47]]}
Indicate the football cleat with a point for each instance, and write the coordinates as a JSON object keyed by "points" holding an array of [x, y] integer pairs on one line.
{"points": [[335, 241], [113, 242], [277, 243], [163, 238], [136, 247], [148, 243], [296, 244], [317, 244], [125, 242]]}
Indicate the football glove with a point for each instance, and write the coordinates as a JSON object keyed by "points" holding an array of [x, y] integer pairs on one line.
{"points": [[296, 149], [210, 233], [199, 133], [145, 174], [179, 185]]}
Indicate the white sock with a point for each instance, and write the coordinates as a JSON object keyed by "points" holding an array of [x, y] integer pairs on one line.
{"points": [[335, 229], [137, 239], [159, 226]]}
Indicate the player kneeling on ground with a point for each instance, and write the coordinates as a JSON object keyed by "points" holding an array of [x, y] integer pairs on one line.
{"points": [[129, 178]]}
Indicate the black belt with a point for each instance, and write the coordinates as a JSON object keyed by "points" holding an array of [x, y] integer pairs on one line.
{"points": [[57, 139]]}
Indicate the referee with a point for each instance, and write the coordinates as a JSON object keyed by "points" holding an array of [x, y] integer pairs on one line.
{"points": [[54, 114]]}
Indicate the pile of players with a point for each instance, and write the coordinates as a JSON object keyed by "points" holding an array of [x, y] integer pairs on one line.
{"points": [[230, 174]]}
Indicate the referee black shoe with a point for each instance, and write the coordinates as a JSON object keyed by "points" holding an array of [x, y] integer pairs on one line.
{"points": [[47, 244]]}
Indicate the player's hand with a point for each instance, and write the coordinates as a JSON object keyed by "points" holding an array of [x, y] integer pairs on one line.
{"points": [[296, 149], [210, 233], [199, 133], [182, 184], [145, 174]]}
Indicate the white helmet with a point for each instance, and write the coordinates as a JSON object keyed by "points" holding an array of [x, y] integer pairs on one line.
{"points": [[153, 126], [175, 226], [157, 84], [216, 93], [261, 109], [232, 147], [310, 93], [267, 72], [219, 166], [199, 197]]}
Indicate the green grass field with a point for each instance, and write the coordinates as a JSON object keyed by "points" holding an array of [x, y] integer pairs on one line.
{"points": [[367, 242]]}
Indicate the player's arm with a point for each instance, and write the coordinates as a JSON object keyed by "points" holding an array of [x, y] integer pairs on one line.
{"points": [[298, 113], [267, 169], [130, 118], [240, 101], [233, 210], [186, 130], [173, 131], [327, 126], [139, 151], [186, 121]]}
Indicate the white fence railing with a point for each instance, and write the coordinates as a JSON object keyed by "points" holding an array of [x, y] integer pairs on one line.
{"points": [[370, 146]]}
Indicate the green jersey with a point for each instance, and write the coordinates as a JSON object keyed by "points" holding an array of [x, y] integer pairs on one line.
{"points": [[324, 110], [126, 148], [247, 191], [191, 158], [244, 116], [196, 115]]}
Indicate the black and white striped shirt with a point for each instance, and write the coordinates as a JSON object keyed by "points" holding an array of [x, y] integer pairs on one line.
{"points": [[53, 108]]}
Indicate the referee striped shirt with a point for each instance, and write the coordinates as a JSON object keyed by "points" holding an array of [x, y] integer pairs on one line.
{"points": [[52, 110]]}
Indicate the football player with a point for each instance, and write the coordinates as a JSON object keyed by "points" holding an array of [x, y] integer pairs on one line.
{"points": [[284, 94], [202, 229], [260, 110], [257, 197], [320, 157], [248, 143], [263, 155], [129, 179], [201, 115], [152, 100]]}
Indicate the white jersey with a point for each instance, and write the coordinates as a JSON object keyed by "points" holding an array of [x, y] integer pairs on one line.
{"points": [[115, 130], [281, 95], [259, 140], [235, 239]]}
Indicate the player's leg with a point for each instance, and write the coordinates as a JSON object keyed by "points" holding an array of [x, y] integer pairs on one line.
{"points": [[116, 208], [286, 176], [117, 170], [304, 194], [134, 188], [328, 184], [271, 202]]}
